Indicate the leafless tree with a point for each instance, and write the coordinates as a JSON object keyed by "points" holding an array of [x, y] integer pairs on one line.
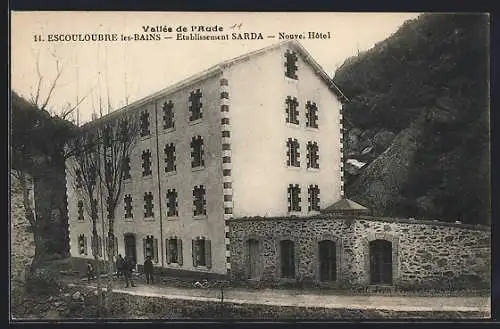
{"points": [[104, 160], [82, 168]]}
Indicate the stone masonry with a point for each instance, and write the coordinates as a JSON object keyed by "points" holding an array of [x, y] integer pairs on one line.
{"points": [[425, 254]]}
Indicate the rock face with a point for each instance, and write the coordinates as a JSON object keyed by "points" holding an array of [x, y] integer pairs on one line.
{"points": [[22, 243], [380, 183], [423, 254]]}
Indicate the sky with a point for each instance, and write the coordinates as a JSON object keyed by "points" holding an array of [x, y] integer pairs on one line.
{"points": [[125, 71]]}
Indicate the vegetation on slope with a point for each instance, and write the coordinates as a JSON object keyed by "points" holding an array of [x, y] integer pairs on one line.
{"points": [[433, 73]]}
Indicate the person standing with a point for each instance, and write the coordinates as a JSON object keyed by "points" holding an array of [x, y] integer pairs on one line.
{"points": [[127, 271], [148, 270], [90, 271], [119, 266]]}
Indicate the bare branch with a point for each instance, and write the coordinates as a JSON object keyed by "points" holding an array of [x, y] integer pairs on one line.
{"points": [[53, 85]]}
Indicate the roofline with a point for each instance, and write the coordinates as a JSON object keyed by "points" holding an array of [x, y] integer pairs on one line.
{"points": [[218, 69]]}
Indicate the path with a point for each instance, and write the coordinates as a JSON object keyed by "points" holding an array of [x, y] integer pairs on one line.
{"points": [[297, 298]]}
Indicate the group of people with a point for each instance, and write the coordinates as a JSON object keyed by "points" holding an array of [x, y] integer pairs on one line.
{"points": [[124, 268]]}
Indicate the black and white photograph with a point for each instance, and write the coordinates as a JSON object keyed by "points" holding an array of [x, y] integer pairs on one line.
{"points": [[273, 166]]}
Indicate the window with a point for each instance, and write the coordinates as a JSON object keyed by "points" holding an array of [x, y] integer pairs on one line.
{"points": [[380, 262], [226, 133], [292, 114], [202, 252], [292, 153], [94, 209], [148, 205], [195, 105], [199, 202], [311, 115], [125, 129], [226, 147], [144, 119], [313, 198], [172, 205], [108, 136], [96, 245], [228, 185], [224, 82], [80, 210], [150, 248], [109, 208], [294, 198], [82, 244], [168, 115], [93, 177], [79, 181], [146, 163], [126, 168], [224, 94], [197, 152], [312, 155], [170, 158], [327, 260], [174, 250], [287, 259], [108, 172], [291, 65], [128, 206]]}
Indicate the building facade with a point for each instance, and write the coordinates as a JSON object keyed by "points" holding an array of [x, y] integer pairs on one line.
{"points": [[256, 136]]}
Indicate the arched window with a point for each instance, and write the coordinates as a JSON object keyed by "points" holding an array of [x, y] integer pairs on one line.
{"points": [[380, 262], [287, 259], [327, 260]]}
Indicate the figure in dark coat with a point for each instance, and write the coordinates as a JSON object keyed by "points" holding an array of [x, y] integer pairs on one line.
{"points": [[119, 266], [90, 271], [148, 270], [128, 266]]}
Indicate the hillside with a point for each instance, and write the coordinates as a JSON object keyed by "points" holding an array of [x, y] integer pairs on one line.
{"points": [[418, 120], [36, 144]]}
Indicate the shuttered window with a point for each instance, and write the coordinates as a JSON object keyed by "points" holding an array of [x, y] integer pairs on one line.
{"points": [[174, 250], [202, 253], [150, 248]]}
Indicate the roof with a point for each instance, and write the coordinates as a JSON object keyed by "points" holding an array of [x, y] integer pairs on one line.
{"points": [[292, 44], [345, 204]]}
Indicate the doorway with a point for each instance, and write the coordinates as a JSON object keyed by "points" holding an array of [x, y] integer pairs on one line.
{"points": [[327, 261], [380, 262], [130, 247], [253, 258]]}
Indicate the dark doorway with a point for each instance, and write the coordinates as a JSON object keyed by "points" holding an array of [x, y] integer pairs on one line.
{"points": [[287, 259], [327, 261], [130, 247], [253, 258], [380, 262]]}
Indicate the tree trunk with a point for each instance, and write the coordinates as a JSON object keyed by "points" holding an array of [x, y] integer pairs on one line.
{"points": [[35, 226], [95, 253]]}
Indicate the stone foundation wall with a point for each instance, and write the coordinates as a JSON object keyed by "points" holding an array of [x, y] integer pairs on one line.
{"points": [[425, 254]]}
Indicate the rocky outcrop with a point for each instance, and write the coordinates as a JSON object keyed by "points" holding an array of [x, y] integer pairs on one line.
{"points": [[22, 243], [380, 183]]}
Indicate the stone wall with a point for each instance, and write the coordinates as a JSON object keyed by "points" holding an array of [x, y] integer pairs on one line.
{"points": [[22, 244], [425, 254]]}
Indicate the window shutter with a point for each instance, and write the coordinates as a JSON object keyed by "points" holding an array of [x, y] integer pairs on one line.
{"points": [[179, 252], [155, 250], [208, 254], [106, 246], [99, 245], [167, 248], [116, 246], [144, 244], [85, 244], [194, 251]]}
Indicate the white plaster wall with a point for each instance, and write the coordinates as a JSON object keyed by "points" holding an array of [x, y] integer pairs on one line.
{"points": [[259, 133]]}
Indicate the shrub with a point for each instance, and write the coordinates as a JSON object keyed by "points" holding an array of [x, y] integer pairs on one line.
{"points": [[42, 282]]}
